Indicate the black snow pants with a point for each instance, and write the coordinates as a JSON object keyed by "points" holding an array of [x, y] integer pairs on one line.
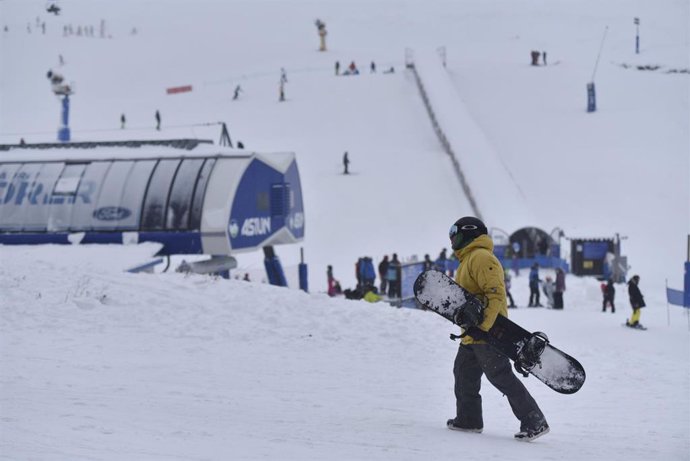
{"points": [[474, 360]]}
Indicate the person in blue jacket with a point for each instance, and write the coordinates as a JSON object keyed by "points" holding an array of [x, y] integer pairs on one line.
{"points": [[367, 274], [393, 277]]}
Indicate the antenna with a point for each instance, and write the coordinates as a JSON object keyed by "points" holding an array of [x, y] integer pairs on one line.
{"points": [[601, 47]]}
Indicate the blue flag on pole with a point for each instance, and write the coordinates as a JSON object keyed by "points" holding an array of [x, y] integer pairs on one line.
{"points": [[674, 297]]}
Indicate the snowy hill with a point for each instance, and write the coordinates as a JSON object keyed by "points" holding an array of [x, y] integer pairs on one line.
{"points": [[100, 364]]}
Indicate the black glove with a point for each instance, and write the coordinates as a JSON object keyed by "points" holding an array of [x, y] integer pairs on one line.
{"points": [[470, 314]]}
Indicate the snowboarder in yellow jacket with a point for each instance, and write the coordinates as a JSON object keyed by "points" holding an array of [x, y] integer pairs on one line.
{"points": [[481, 274]]}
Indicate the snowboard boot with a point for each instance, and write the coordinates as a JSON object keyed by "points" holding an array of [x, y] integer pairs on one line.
{"points": [[454, 425], [529, 434]]}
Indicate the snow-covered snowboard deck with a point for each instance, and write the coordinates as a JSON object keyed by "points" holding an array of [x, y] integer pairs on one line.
{"points": [[532, 352]]}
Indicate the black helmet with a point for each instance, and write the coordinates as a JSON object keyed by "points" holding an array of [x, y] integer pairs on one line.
{"points": [[465, 230]]}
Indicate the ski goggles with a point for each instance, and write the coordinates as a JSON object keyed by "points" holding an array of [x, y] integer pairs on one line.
{"points": [[457, 237]]}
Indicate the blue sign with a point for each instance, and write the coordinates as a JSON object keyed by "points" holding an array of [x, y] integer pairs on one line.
{"points": [[266, 202], [595, 250], [591, 98]]}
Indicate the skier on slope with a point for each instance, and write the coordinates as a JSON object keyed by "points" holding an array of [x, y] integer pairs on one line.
{"points": [[481, 273]]}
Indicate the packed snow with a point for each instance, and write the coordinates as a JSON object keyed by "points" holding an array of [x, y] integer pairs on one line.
{"points": [[100, 364]]}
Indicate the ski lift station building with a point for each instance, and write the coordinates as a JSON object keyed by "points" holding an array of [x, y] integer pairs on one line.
{"points": [[189, 195]]}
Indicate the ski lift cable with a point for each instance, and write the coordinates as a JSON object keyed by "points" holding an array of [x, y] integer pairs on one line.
{"points": [[95, 130]]}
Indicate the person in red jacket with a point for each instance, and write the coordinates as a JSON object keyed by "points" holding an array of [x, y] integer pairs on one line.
{"points": [[609, 292]]}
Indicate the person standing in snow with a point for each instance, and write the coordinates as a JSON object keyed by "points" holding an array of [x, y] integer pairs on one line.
{"points": [[383, 270], [393, 276], [346, 163], [481, 274], [549, 287], [123, 120], [559, 289], [534, 286], [428, 263], [516, 255], [236, 95], [442, 261], [636, 302], [609, 292], [367, 274], [507, 282], [158, 120], [330, 280]]}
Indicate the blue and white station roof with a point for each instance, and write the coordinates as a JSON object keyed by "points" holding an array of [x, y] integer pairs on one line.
{"points": [[196, 198]]}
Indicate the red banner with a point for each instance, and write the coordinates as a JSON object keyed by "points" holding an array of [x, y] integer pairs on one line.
{"points": [[179, 89]]}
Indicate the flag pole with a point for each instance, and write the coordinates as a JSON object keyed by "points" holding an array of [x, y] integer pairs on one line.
{"points": [[668, 308]]}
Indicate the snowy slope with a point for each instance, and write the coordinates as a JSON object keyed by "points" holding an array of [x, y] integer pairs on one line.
{"points": [[99, 364]]}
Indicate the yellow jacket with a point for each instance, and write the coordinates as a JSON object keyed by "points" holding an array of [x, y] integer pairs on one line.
{"points": [[481, 274], [372, 297]]}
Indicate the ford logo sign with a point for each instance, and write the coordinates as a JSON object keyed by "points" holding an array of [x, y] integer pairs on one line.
{"points": [[111, 213]]}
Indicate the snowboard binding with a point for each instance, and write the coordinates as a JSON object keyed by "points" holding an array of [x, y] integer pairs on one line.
{"points": [[529, 353]]}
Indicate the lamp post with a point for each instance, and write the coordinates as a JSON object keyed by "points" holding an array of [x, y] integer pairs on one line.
{"points": [[637, 36], [63, 131]]}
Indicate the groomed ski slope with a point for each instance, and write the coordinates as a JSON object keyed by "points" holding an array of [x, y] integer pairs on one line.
{"points": [[99, 364]]}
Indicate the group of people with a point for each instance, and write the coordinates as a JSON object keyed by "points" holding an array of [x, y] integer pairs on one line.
{"points": [[553, 290], [481, 273], [365, 273], [535, 55], [352, 69]]}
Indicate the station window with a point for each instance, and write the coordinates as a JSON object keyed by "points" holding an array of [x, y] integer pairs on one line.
{"points": [[157, 195], [280, 199], [86, 197], [109, 213], [181, 194], [263, 201], [133, 193], [200, 193], [68, 183]]}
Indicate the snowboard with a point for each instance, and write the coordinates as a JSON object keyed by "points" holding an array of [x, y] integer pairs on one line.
{"points": [[532, 353]]}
